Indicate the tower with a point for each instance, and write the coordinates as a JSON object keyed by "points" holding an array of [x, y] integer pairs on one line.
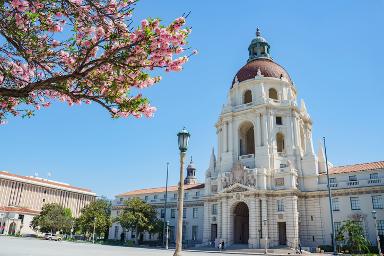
{"points": [[191, 174]]}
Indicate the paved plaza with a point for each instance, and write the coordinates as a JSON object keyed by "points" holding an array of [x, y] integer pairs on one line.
{"points": [[13, 246]]}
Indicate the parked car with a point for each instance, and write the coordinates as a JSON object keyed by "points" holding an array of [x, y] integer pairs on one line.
{"points": [[54, 237]]}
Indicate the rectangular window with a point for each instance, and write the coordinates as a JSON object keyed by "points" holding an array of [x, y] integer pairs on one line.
{"points": [[279, 120], [355, 204], [121, 199], [377, 202], [173, 213], [280, 205], [332, 180], [380, 227], [337, 226], [146, 198], [353, 178], [214, 209], [165, 196], [335, 204], [373, 176], [197, 193], [194, 233], [155, 197], [175, 196], [279, 182], [195, 210], [184, 213], [185, 195], [162, 213]]}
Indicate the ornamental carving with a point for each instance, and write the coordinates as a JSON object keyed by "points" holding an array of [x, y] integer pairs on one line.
{"points": [[239, 174]]}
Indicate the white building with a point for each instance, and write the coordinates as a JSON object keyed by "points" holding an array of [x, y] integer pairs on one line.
{"points": [[22, 197], [266, 179]]}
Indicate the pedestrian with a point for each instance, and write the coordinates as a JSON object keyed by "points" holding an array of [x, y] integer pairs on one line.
{"points": [[222, 245], [300, 249]]}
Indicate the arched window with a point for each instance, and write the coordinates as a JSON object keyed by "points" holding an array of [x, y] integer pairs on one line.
{"points": [[273, 94], [246, 139], [280, 142], [247, 97]]}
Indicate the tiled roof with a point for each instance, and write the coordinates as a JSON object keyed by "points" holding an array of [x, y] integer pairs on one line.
{"points": [[357, 167], [267, 67], [44, 181], [161, 190], [20, 210]]}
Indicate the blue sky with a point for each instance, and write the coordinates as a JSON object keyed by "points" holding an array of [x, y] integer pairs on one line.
{"points": [[333, 50]]}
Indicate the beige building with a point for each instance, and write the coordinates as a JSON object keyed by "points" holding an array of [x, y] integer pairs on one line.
{"points": [[22, 197]]}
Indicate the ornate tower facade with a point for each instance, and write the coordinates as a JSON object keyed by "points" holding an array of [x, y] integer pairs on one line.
{"points": [[265, 156]]}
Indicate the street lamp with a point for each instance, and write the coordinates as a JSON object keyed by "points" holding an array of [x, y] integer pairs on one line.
{"points": [[165, 210], [266, 236], [94, 230], [377, 232], [183, 139]]}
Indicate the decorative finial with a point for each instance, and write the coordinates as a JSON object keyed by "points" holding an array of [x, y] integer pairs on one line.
{"points": [[191, 159], [257, 31]]}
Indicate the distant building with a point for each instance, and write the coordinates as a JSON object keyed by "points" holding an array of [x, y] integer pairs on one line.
{"points": [[22, 197], [266, 180]]}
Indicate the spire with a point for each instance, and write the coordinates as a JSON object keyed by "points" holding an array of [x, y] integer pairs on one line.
{"points": [[303, 108], [259, 47], [309, 147], [321, 158], [212, 161]]}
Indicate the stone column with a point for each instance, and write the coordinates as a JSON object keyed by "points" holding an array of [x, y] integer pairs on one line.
{"points": [[258, 131], [206, 224], [252, 241], [224, 223], [264, 215]]}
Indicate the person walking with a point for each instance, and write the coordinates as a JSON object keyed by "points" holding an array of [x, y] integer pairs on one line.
{"points": [[222, 245]]}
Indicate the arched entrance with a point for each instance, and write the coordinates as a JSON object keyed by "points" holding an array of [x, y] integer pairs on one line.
{"points": [[12, 229], [241, 223]]}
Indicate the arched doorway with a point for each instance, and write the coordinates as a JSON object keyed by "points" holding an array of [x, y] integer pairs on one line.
{"points": [[246, 139], [12, 229], [241, 224]]}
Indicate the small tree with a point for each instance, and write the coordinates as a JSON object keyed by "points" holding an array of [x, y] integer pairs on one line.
{"points": [[52, 218], [138, 217], [352, 234], [96, 214]]}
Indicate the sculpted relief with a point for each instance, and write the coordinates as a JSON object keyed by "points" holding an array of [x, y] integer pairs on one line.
{"points": [[239, 174]]}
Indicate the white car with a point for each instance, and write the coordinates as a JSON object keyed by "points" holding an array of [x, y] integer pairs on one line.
{"points": [[53, 237]]}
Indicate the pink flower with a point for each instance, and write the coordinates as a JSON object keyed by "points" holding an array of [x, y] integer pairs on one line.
{"points": [[149, 111], [100, 31], [144, 23], [57, 28], [20, 5], [78, 2]]}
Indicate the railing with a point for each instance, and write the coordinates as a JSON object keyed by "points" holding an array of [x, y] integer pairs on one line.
{"points": [[352, 183], [246, 156], [333, 185], [374, 181]]}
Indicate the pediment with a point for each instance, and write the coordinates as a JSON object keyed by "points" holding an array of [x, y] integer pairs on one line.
{"points": [[237, 187]]}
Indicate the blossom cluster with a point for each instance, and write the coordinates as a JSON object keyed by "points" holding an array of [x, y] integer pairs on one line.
{"points": [[87, 51]]}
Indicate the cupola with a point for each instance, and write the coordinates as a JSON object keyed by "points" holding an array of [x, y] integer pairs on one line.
{"points": [[259, 47]]}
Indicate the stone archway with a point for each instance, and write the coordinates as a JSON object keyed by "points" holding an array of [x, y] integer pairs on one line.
{"points": [[241, 223]]}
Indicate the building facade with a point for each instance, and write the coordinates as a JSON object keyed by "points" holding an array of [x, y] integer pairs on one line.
{"points": [[267, 184], [22, 197]]}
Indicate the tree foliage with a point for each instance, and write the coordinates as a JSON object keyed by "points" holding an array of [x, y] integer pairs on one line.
{"points": [[83, 51], [52, 218], [351, 235], [97, 214], [139, 216]]}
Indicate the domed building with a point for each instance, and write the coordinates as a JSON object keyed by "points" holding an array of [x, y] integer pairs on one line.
{"points": [[266, 186]]}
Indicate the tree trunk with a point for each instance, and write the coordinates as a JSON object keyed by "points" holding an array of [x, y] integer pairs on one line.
{"points": [[136, 237]]}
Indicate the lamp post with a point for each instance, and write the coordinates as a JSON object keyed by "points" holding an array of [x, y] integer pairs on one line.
{"points": [[330, 201], [165, 210], [183, 139], [94, 230], [377, 233], [166, 235], [266, 236]]}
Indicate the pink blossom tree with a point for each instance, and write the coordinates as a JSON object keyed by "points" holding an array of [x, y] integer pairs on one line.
{"points": [[86, 51]]}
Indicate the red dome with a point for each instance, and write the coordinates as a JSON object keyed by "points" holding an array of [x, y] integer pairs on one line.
{"points": [[268, 68]]}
